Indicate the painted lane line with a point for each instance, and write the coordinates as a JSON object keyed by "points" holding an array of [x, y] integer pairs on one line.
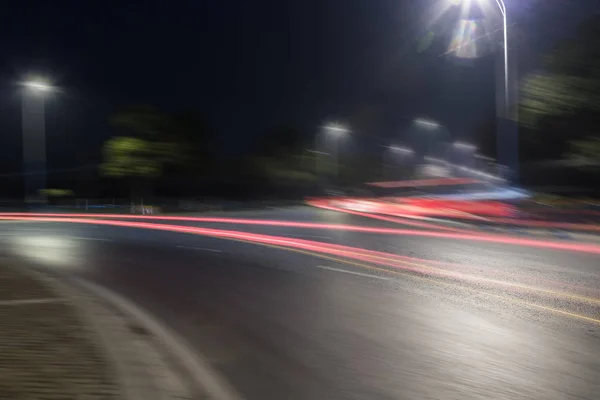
{"points": [[200, 248], [29, 301], [353, 273]]}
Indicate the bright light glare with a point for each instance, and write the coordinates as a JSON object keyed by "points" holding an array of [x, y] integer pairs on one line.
{"points": [[39, 86], [427, 123], [337, 128], [49, 250], [464, 43]]}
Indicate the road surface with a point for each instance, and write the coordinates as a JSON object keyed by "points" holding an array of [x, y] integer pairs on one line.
{"points": [[456, 319]]}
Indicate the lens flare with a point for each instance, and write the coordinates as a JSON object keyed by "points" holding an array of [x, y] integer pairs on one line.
{"points": [[463, 43]]}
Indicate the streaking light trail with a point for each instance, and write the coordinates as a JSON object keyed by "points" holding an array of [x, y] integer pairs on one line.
{"points": [[576, 247], [268, 222], [409, 264]]}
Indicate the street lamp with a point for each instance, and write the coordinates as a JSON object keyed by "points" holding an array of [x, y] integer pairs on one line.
{"points": [[34, 138], [464, 146], [336, 131], [427, 123], [465, 153], [432, 125], [402, 152], [507, 136], [434, 160], [502, 8], [38, 86]]}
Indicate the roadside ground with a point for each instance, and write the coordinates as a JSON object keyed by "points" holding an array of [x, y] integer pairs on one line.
{"points": [[57, 341]]}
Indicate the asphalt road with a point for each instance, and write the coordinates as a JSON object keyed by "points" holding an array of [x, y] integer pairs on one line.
{"points": [[456, 320]]}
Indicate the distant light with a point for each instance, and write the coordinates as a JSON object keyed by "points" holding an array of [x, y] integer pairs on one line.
{"points": [[435, 160], [427, 123], [480, 173], [466, 146], [337, 128], [402, 150], [318, 152]]}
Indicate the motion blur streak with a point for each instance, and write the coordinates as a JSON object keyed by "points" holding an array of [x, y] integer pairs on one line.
{"points": [[488, 219], [447, 284], [290, 224], [503, 273], [425, 183], [388, 219], [398, 261], [408, 263], [544, 224], [419, 271], [576, 247]]}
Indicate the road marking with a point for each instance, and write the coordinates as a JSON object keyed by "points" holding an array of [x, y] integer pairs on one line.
{"points": [[200, 248], [29, 301], [89, 238], [352, 272], [430, 280], [467, 277]]}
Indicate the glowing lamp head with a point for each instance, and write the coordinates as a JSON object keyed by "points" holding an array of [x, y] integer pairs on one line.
{"points": [[427, 123], [336, 129], [38, 86], [401, 150]]}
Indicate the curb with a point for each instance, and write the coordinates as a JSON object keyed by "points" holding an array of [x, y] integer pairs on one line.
{"points": [[152, 362], [196, 367], [49, 348]]}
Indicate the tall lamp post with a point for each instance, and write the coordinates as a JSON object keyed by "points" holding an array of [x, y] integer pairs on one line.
{"points": [[331, 132], [465, 153], [507, 135], [502, 8], [402, 152], [34, 139], [432, 126]]}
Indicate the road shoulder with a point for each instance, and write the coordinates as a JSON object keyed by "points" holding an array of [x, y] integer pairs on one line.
{"points": [[62, 341]]}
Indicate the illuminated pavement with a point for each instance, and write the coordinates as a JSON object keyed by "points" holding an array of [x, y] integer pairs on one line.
{"points": [[453, 319]]}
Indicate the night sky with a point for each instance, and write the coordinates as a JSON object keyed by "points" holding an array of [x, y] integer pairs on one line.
{"points": [[251, 65]]}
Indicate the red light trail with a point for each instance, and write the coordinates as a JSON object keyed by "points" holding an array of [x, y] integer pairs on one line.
{"points": [[394, 261], [577, 247]]}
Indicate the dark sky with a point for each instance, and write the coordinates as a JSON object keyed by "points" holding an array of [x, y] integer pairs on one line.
{"points": [[248, 65]]}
